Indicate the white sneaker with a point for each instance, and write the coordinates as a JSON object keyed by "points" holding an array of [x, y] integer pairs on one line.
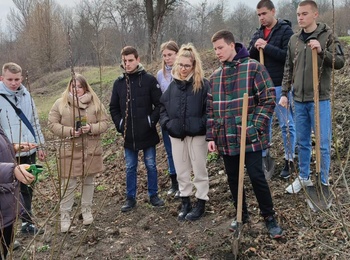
{"points": [[65, 221], [297, 185], [87, 215]]}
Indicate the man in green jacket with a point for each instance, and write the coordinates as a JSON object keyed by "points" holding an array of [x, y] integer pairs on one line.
{"points": [[297, 71]]}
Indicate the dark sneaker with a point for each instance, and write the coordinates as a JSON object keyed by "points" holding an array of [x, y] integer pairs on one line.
{"points": [[233, 225], [129, 204], [29, 228], [287, 170], [274, 229], [156, 201]]}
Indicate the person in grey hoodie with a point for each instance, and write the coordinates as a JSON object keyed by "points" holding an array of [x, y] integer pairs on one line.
{"points": [[169, 51], [17, 131]]}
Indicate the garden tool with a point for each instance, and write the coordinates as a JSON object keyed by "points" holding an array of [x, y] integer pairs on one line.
{"points": [[237, 232], [268, 161], [318, 197]]}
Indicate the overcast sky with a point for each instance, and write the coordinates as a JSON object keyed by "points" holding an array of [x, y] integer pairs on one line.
{"points": [[5, 5]]}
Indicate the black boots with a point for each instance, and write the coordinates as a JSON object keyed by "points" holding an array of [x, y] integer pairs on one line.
{"points": [[174, 189], [185, 208], [197, 212], [288, 169]]}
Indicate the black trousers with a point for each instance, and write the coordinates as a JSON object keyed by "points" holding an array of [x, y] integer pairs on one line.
{"points": [[253, 163], [6, 239], [27, 191]]}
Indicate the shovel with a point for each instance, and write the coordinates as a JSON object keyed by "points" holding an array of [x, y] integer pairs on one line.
{"points": [[268, 161], [317, 198], [237, 233]]}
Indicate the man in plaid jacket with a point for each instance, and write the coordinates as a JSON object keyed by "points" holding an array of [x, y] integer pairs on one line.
{"points": [[238, 75]]}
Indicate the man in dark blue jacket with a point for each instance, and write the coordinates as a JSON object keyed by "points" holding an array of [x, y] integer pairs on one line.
{"points": [[273, 37], [135, 109]]}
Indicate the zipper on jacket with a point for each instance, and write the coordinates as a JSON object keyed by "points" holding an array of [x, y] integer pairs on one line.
{"points": [[303, 87], [132, 118]]}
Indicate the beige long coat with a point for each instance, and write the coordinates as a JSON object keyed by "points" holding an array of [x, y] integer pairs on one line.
{"points": [[79, 156]]}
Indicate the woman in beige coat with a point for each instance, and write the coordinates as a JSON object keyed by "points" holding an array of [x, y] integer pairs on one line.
{"points": [[78, 118]]}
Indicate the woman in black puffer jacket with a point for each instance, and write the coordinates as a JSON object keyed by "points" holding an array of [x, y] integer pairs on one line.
{"points": [[183, 115]]}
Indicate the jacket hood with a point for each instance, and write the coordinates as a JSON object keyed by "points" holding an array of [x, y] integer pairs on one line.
{"points": [[139, 68], [5, 90], [242, 52], [321, 27]]}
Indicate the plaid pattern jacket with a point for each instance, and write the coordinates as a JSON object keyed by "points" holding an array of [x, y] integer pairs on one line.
{"points": [[225, 102]]}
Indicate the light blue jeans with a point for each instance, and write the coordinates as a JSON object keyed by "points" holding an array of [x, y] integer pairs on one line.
{"points": [[305, 122], [131, 159], [286, 124]]}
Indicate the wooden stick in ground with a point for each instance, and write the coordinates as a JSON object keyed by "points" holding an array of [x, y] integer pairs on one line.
{"points": [[261, 56], [235, 245], [317, 109]]}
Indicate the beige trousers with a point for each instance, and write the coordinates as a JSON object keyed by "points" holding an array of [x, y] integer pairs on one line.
{"points": [[190, 155], [69, 187]]}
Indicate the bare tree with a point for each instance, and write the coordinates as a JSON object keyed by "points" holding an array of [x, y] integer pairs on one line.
{"points": [[155, 12], [243, 21]]}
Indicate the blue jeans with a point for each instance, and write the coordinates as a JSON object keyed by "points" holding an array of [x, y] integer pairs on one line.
{"points": [[131, 159], [167, 146], [286, 124], [305, 122]]}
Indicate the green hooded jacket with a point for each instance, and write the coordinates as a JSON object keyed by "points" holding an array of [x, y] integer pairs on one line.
{"points": [[298, 66]]}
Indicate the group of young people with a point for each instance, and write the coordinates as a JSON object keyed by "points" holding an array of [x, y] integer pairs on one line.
{"points": [[196, 116]]}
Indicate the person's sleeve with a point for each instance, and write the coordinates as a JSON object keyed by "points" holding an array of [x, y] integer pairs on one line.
{"points": [[335, 50], [37, 128], [102, 123], [114, 107], [6, 172], [54, 122], [210, 115], [156, 93], [277, 53], [288, 73]]}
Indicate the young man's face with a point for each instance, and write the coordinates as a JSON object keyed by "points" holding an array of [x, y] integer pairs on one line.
{"points": [[130, 62], [12, 80], [306, 16], [266, 16], [224, 51]]}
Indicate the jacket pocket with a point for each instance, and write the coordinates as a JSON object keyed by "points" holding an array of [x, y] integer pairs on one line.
{"points": [[252, 135]]}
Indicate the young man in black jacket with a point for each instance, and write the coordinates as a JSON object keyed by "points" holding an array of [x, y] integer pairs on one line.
{"points": [[134, 108], [273, 37]]}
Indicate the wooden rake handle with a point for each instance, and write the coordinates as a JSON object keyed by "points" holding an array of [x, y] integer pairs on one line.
{"points": [[317, 109], [261, 56], [242, 158]]}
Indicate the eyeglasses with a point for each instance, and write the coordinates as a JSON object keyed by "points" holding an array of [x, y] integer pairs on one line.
{"points": [[185, 66]]}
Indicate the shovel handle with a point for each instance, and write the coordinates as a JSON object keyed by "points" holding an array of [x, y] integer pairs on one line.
{"points": [[317, 109], [261, 56], [242, 158]]}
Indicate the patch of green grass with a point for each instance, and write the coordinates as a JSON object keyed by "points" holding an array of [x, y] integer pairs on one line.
{"points": [[346, 39], [43, 248], [101, 188], [211, 157]]}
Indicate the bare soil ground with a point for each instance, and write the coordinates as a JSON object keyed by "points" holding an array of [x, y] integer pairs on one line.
{"points": [[155, 233]]}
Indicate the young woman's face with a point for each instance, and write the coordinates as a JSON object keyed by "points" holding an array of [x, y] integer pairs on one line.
{"points": [[169, 57], [78, 90], [185, 66]]}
